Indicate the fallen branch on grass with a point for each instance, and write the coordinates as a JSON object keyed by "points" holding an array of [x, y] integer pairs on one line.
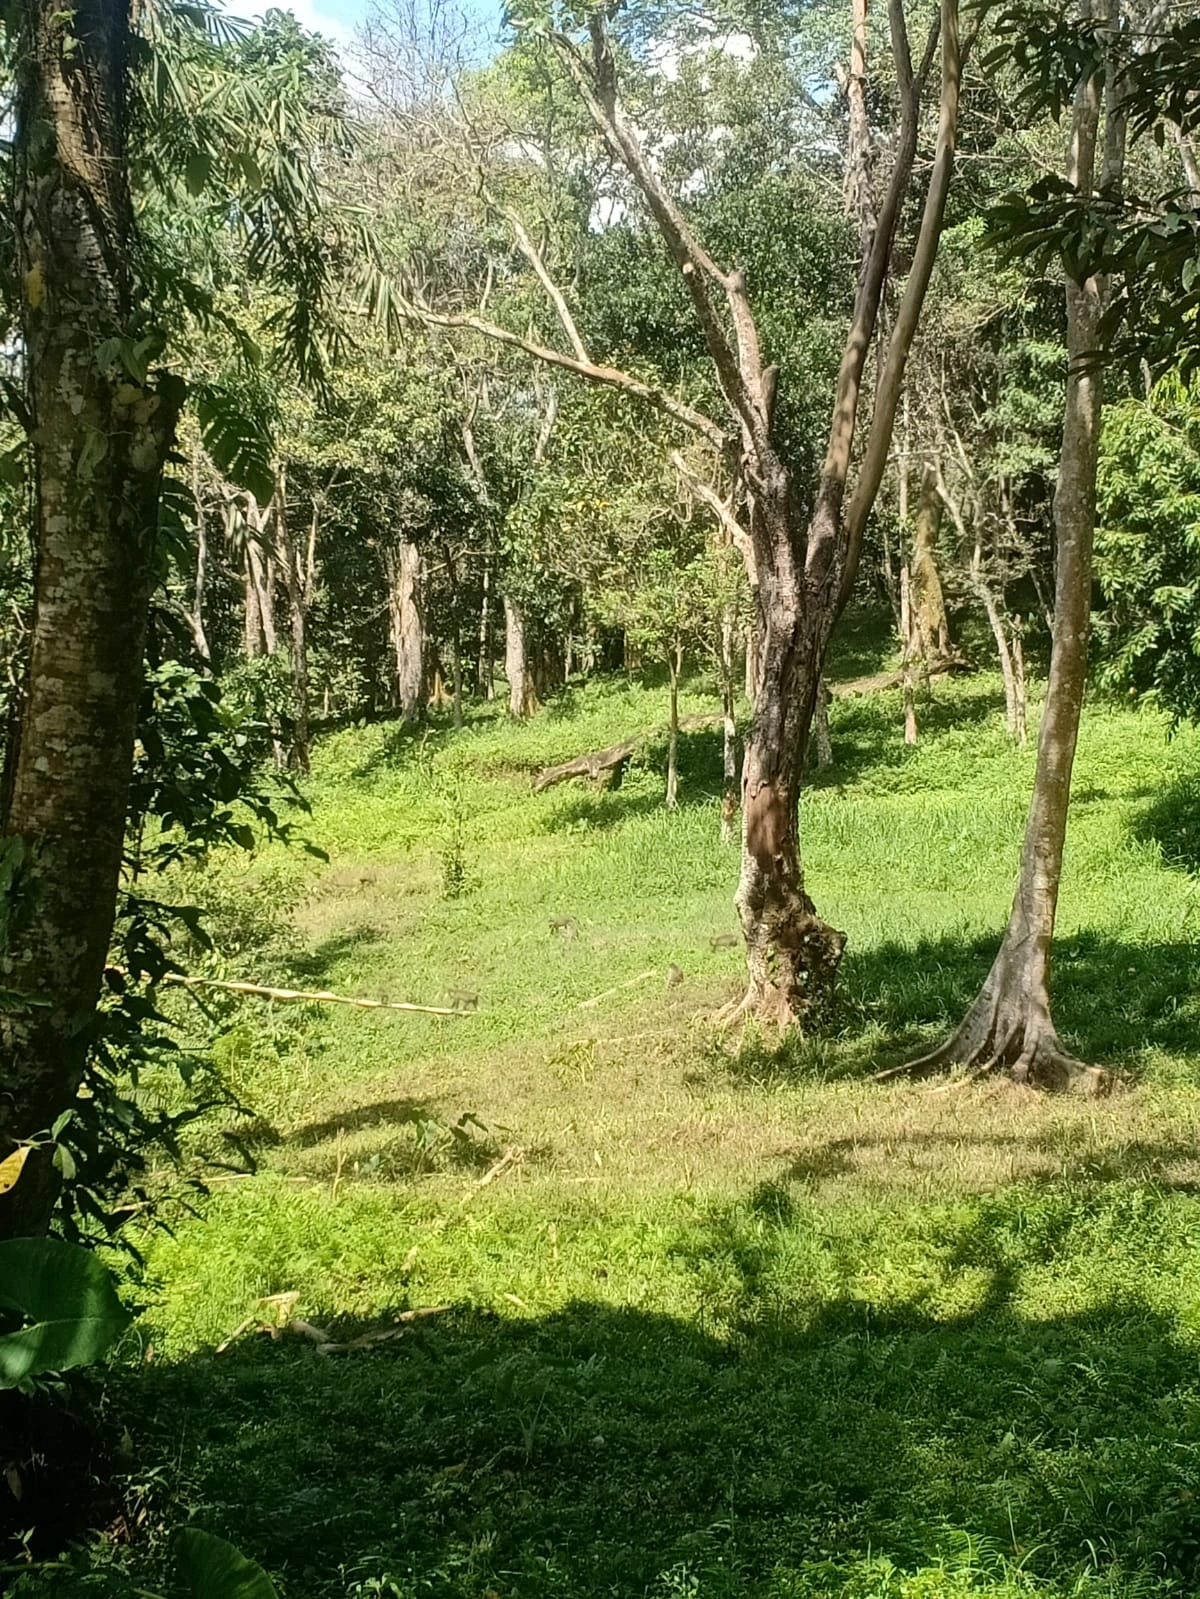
{"points": [[510, 1158], [595, 763], [630, 982], [317, 996]]}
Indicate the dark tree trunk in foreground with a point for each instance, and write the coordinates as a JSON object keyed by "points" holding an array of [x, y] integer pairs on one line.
{"points": [[99, 444], [1010, 1024]]}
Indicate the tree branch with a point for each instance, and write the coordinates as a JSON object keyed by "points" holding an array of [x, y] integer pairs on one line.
{"points": [[873, 275], [887, 393], [610, 377], [739, 372], [708, 496]]}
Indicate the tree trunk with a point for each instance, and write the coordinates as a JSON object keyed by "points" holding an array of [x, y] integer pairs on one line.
{"points": [[99, 443], [406, 612], [750, 678], [791, 955], [926, 598], [522, 696], [912, 650], [674, 667], [729, 796], [1020, 699], [1009, 1023], [196, 614], [485, 683], [821, 728], [261, 637], [297, 584]]}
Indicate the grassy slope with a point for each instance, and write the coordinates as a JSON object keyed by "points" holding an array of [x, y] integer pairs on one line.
{"points": [[734, 1324]]}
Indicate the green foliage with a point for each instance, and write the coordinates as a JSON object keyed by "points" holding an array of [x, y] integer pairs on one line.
{"points": [[1147, 548], [214, 1569], [67, 1300]]}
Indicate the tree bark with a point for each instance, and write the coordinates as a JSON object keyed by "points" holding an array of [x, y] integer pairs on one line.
{"points": [[99, 443], [674, 667], [196, 614], [407, 617], [522, 695], [261, 636], [297, 569], [926, 597], [1009, 1024]]}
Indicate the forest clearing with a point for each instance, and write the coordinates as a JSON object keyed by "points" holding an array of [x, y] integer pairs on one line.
{"points": [[732, 1320], [600, 800]]}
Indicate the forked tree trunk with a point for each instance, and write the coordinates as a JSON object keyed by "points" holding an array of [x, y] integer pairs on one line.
{"points": [[522, 695], [407, 617], [99, 443], [801, 578], [1010, 1024]]}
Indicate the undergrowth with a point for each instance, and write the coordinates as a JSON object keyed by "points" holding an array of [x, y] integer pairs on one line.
{"points": [[705, 1318]]}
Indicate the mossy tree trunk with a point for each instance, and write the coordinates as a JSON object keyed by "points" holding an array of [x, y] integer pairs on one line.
{"points": [[99, 440]]}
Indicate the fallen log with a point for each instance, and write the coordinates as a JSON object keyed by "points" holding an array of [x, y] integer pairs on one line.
{"points": [[610, 763]]}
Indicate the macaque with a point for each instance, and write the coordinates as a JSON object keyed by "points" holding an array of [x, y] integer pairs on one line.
{"points": [[564, 926], [724, 941], [674, 975], [462, 999]]}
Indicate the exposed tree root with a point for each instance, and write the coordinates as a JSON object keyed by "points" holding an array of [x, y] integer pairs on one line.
{"points": [[1005, 1034], [791, 971]]}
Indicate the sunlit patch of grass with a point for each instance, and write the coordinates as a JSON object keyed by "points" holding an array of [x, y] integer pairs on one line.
{"points": [[714, 1315]]}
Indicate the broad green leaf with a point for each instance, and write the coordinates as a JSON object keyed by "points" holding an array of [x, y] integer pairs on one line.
{"points": [[214, 1569], [70, 1300]]}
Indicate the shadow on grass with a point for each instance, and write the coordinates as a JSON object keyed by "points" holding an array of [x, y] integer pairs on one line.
{"points": [[1114, 1002], [804, 1446], [700, 784], [383, 1113], [313, 965], [1172, 821]]}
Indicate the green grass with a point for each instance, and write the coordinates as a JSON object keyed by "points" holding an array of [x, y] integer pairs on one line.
{"points": [[729, 1322]]}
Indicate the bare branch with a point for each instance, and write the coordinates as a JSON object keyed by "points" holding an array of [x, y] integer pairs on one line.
{"points": [[887, 394], [610, 377], [739, 371], [537, 261], [870, 286], [708, 496]]}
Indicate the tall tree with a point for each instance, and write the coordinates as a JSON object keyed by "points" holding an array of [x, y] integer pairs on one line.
{"points": [[99, 441], [1010, 1023], [100, 299], [801, 563]]}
